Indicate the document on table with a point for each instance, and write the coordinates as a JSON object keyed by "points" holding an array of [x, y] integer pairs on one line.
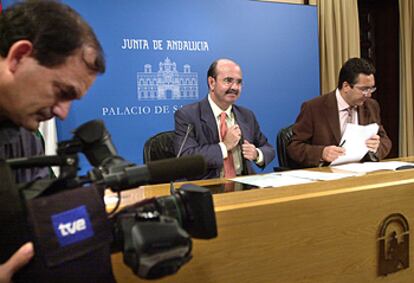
{"points": [[353, 140], [288, 178], [271, 180], [372, 166], [319, 176]]}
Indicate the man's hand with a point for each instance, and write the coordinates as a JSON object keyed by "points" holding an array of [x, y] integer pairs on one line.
{"points": [[249, 151], [17, 261], [373, 143], [232, 137], [332, 152]]}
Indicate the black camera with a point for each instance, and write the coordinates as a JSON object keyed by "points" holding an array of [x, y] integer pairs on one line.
{"points": [[67, 221], [153, 234]]}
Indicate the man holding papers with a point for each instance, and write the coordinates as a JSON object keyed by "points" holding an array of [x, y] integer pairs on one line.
{"points": [[317, 133]]}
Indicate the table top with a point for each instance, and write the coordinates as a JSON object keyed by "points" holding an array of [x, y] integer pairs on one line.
{"points": [[227, 193]]}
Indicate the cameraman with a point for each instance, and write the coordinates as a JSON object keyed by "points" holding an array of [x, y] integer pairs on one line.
{"points": [[49, 56]]}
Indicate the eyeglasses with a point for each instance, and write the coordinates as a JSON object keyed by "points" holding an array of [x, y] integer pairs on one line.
{"points": [[366, 90], [229, 81]]}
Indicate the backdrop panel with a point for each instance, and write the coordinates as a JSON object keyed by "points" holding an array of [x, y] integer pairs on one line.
{"points": [[158, 53]]}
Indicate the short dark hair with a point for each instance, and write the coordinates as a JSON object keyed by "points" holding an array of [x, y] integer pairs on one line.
{"points": [[351, 70], [55, 30], [212, 72]]}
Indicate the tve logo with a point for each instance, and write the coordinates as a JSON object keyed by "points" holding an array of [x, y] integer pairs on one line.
{"points": [[72, 226]]}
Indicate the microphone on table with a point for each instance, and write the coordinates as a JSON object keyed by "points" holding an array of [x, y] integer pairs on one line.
{"points": [[187, 133]]}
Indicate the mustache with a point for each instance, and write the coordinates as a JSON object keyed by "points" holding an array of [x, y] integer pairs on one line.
{"points": [[233, 91]]}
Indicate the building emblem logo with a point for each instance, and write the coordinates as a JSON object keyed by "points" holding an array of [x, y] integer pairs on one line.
{"points": [[394, 244], [167, 83]]}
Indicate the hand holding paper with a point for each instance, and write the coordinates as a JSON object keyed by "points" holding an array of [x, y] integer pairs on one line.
{"points": [[359, 139], [373, 143], [332, 152]]}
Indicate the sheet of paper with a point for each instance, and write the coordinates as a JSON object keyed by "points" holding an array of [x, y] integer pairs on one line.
{"points": [[271, 180], [353, 141], [318, 176], [372, 166]]}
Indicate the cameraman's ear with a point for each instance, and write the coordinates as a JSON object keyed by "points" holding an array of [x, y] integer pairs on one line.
{"points": [[17, 53]]}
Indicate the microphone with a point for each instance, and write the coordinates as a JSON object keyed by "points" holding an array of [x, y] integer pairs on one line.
{"points": [[187, 132], [156, 172]]}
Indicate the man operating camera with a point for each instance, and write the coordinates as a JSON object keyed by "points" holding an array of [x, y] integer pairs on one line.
{"points": [[49, 56]]}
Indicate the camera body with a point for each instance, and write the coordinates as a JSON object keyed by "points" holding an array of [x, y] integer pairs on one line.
{"points": [[155, 247], [154, 234]]}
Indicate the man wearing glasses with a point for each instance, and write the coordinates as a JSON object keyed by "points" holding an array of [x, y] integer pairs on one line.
{"points": [[322, 120], [228, 136]]}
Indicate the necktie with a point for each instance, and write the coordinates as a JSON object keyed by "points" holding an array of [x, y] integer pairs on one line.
{"points": [[349, 119], [229, 170]]}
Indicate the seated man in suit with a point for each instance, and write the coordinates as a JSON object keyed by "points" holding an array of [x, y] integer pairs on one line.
{"points": [[226, 135], [322, 120]]}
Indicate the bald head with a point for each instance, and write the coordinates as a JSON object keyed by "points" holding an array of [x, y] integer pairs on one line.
{"points": [[224, 78], [212, 70]]}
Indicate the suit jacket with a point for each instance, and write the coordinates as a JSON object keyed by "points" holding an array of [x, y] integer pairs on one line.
{"points": [[204, 138], [318, 126]]}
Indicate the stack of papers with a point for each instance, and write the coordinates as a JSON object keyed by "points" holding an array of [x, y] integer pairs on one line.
{"points": [[270, 180], [353, 141], [319, 176], [372, 166], [290, 178]]}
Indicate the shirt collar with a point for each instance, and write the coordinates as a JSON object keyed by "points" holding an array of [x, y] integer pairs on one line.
{"points": [[342, 104], [217, 110]]}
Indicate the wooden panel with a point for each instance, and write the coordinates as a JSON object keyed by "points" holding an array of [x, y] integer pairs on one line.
{"points": [[319, 232]]}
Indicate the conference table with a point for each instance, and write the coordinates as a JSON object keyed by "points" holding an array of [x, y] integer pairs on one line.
{"points": [[324, 231]]}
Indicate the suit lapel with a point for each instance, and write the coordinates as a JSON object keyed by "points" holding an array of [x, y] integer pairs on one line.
{"points": [[240, 120], [245, 131], [331, 114], [208, 120]]}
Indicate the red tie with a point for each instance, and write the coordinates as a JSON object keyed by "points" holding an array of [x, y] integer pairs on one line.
{"points": [[229, 171]]}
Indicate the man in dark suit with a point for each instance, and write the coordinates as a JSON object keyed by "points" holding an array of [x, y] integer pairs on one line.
{"points": [[49, 56], [322, 120], [226, 135]]}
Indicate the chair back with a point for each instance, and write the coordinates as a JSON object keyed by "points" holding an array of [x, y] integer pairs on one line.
{"points": [[283, 139], [160, 146]]}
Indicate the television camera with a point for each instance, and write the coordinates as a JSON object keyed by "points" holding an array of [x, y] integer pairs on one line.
{"points": [[154, 234]]}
